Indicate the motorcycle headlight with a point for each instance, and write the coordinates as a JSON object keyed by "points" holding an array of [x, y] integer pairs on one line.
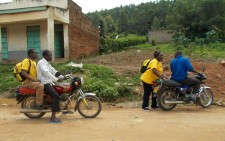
{"points": [[78, 81]]}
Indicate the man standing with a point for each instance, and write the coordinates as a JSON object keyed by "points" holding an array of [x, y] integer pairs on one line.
{"points": [[180, 66], [29, 71], [46, 74]]}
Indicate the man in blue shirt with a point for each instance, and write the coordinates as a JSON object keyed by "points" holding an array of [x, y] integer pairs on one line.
{"points": [[180, 66]]}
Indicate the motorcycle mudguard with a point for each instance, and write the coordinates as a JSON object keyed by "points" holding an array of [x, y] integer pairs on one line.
{"points": [[80, 97], [86, 94], [203, 88], [19, 98]]}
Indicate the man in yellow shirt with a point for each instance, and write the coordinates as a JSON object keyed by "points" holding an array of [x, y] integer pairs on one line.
{"points": [[29, 71], [154, 71]]}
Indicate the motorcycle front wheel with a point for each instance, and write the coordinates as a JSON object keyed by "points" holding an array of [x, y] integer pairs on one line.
{"points": [[205, 98], [165, 95], [27, 103], [89, 107]]}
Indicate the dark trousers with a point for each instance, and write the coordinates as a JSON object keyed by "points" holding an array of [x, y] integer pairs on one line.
{"points": [[147, 91], [49, 90], [192, 82]]}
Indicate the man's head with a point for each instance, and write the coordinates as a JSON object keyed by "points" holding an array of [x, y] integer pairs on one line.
{"points": [[178, 53], [158, 55], [32, 54], [47, 55]]}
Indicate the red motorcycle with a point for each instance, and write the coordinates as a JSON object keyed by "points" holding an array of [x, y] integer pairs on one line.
{"points": [[71, 98]]}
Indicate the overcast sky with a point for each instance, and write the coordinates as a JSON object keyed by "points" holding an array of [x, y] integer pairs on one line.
{"points": [[93, 5]]}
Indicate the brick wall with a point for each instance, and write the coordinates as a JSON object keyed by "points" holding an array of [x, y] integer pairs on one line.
{"points": [[83, 35]]}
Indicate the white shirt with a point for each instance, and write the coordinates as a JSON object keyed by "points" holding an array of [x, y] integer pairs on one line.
{"points": [[45, 72]]}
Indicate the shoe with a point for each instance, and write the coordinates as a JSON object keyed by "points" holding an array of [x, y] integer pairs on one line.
{"points": [[146, 109], [55, 120], [154, 107], [192, 97], [38, 107]]}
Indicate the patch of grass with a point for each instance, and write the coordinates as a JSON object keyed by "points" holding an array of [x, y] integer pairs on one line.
{"points": [[209, 51], [7, 79]]}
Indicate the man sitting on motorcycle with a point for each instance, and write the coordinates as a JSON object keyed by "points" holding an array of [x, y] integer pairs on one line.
{"points": [[46, 74], [29, 71], [180, 66]]}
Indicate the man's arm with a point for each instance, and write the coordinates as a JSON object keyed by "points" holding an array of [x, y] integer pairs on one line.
{"points": [[27, 76]]}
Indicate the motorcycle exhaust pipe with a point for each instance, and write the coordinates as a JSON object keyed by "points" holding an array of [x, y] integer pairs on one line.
{"points": [[33, 111], [37, 111], [174, 102]]}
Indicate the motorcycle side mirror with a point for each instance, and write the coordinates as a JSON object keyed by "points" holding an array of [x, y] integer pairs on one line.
{"points": [[57, 74]]}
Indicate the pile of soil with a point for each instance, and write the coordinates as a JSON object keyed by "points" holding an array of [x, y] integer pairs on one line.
{"points": [[128, 63]]}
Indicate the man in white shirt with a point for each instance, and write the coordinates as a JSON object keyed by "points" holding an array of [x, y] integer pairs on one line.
{"points": [[46, 74]]}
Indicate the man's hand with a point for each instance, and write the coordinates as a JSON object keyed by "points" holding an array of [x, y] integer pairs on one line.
{"points": [[60, 78]]}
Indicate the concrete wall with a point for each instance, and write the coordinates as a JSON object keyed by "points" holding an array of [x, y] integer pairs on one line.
{"points": [[17, 38], [83, 35], [34, 3], [161, 36]]}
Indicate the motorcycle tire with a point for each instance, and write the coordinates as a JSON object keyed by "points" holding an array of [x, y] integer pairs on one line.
{"points": [[205, 98], [90, 107], [162, 95], [28, 103]]}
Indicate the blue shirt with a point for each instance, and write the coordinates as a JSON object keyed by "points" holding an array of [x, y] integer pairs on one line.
{"points": [[180, 67]]}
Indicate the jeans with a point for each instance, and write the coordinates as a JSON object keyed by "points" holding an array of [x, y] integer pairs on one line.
{"points": [[147, 91], [192, 82], [49, 90]]}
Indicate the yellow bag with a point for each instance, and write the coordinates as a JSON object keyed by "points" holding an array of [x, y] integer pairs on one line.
{"points": [[17, 72]]}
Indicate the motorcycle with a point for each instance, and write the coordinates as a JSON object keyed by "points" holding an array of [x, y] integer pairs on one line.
{"points": [[71, 97], [171, 93]]}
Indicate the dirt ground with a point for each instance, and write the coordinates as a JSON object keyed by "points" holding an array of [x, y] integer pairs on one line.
{"points": [[125, 121], [122, 122], [128, 63]]}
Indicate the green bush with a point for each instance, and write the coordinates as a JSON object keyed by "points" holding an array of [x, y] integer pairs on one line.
{"points": [[7, 79], [110, 45]]}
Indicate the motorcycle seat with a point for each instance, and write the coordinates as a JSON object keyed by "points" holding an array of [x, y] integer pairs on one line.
{"points": [[26, 91], [171, 83]]}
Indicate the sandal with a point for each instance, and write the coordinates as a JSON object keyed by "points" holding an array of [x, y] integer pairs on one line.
{"points": [[55, 120]]}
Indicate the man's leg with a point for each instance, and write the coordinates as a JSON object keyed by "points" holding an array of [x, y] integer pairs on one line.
{"points": [[192, 81], [39, 87], [147, 92], [55, 101], [196, 83]]}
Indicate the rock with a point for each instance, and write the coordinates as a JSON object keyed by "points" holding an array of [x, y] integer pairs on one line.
{"points": [[4, 105], [219, 103], [222, 63], [218, 77]]}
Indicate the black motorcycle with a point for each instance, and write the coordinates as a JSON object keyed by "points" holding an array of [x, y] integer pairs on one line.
{"points": [[171, 93]]}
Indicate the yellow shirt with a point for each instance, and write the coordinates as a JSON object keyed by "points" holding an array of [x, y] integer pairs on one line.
{"points": [[33, 68], [148, 76]]}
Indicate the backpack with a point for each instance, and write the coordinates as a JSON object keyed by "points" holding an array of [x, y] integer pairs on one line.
{"points": [[17, 71], [144, 66]]}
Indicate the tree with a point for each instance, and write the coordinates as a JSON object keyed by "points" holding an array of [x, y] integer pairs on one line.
{"points": [[123, 22], [156, 24]]}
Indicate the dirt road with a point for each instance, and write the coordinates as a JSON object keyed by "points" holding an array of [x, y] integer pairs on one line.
{"points": [[118, 123]]}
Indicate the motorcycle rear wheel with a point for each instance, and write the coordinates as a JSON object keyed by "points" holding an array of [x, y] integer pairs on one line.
{"points": [[162, 96], [28, 103], [205, 98], [90, 107]]}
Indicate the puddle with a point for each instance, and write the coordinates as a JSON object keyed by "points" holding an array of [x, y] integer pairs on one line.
{"points": [[8, 102]]}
